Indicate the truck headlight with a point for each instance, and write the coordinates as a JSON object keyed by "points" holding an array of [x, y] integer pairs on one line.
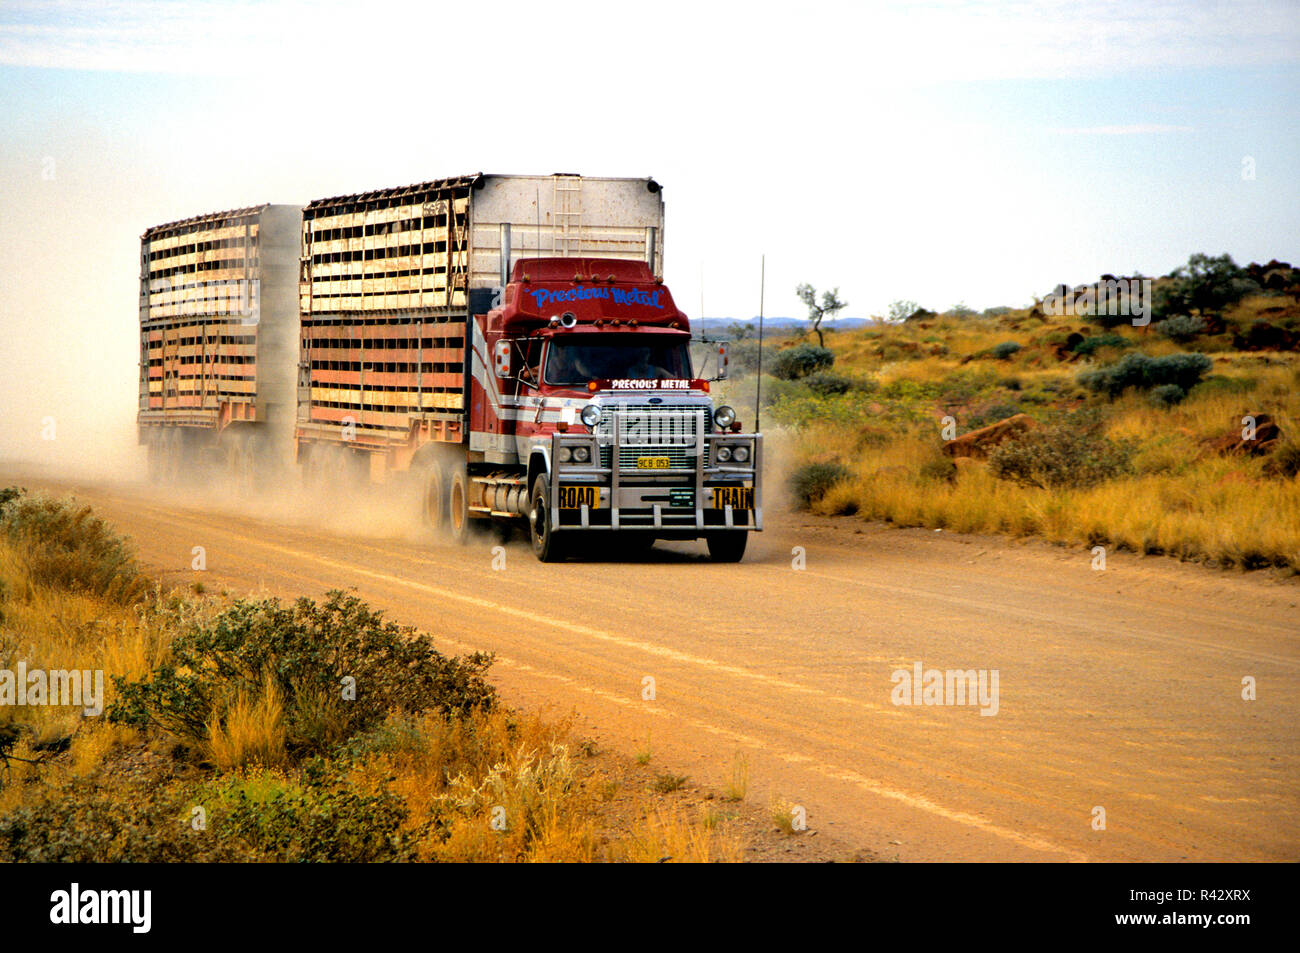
{"points": [[565, 454], [581, 454], [723, 454], [590, 415], [723, 417], [740, 454]]}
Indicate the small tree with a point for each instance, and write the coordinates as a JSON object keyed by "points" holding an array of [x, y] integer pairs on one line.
{"points": [[901, 310], [1205, 285], [829, 307]]}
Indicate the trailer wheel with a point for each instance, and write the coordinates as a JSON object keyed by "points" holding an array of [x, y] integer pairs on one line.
{"points": [[240, 465], [727, 546], [172, 453], [155, 451], [458, 506], [545, 546], [435, 497]]}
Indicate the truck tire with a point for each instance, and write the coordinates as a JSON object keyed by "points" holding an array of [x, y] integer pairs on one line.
{"points": [[155, 453], [458, 505], [545, 545], [727, 546], [172, 456], [313, 468], [434, 500], [240, 467]]}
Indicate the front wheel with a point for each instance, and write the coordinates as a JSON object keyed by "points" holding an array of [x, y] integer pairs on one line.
{"points": [[458, 506], [727, 547], [434, 502], [545, 546]]}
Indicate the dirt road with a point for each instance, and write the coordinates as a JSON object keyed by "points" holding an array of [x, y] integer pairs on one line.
{"points": [[1118, 690]]}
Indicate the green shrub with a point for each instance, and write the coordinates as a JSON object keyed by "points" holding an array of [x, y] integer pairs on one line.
{"points": [[324, 819], [1181, 327], [1166, 395], [800, 361], [939, 468], [811, 481], [66, 547], [743, 355], [8, 495], [307, 650], [1071, 453], [1005, 350], [1142, 372], [1089, 346], [92, 822], [828, 383], [991, 415], [1285, 461]]}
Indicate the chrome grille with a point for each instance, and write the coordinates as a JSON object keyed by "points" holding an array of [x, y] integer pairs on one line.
{"points": [[676, 422]]}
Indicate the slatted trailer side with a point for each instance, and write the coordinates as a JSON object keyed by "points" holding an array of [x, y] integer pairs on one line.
{"points": [[218, 342], [389, 283]]}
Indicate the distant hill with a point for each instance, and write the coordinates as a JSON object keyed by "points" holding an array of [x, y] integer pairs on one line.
{"points": [[780, 324]]}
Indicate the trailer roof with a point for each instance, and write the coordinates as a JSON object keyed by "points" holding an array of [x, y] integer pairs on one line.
{"points": [[156, 230], [439, 185], [436, 185]]}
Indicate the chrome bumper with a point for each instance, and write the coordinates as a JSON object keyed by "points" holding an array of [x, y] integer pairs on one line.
{"points": [[677, 499]]}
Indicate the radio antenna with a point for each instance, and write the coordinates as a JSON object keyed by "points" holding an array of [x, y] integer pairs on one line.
{"points": [[762, 293]]}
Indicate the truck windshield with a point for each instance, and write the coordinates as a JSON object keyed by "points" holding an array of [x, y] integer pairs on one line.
{"points": [[577, 362]]}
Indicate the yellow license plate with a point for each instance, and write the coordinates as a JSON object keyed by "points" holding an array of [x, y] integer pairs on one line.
{"points": [[653, 463], [575, 497], [737, 497]]}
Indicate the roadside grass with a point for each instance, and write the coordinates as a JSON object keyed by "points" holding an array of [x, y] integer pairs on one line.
{"points": [[738, 786], [882, 442], [782, 813], [228, 712], [667, 783], [669, 835]]}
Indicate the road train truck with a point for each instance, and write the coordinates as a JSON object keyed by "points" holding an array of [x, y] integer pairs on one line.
{"points": [[506, 341]]}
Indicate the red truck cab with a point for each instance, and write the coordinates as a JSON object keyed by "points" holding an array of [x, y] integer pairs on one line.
{"points": [[583, 379]]}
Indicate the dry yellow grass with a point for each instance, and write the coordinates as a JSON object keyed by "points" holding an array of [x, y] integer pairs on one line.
{"points": [[670, 835], [736, 788], [1179, 499], [249, 732], [54, 629]]}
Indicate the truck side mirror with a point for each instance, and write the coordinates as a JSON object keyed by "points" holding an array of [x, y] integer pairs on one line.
{"points": [[724, 360], [501, 358]]}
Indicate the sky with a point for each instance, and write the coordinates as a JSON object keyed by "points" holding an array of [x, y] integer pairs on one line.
{"points": [[940, 152]]}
